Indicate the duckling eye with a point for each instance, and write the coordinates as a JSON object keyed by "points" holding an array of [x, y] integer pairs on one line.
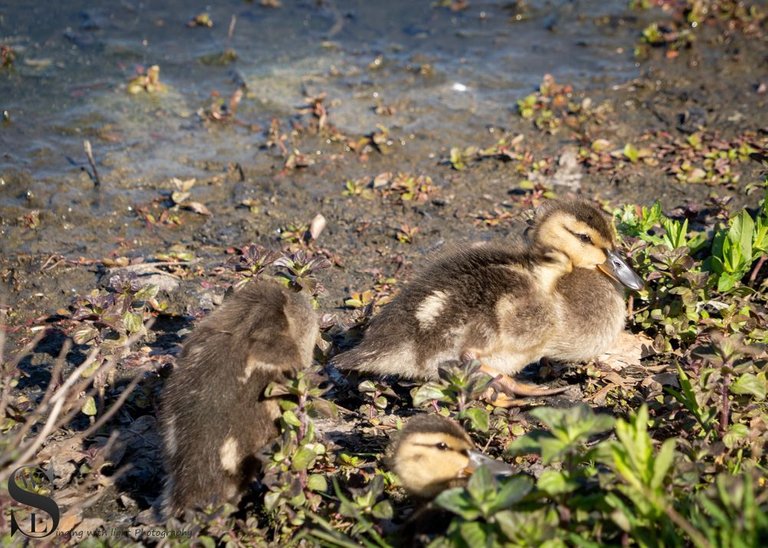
{"points": [[442, 446], [584, 238]]}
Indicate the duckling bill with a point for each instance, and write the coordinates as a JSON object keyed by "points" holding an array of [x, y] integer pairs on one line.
{"points": [[214, 417], [560, 295], [434, 453]]}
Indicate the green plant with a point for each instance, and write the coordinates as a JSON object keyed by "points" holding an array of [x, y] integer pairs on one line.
{"points": [[643, 473], [458, 385], [361, 509], [735, 249], [300, 269], [376, 393], [253, 259], [483, 508], [729, 512], [293, 487], [681, 298], [108, 318], [565, 442]]}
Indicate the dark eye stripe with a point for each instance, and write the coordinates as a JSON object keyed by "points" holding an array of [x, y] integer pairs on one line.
{"points": [[583, 237], [441, 446]]}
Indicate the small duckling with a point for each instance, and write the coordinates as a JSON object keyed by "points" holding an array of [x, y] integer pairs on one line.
{"points": [[557, 296], [213, 415], [434, 453]]}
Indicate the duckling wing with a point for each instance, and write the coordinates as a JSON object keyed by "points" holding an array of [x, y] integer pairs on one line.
{"points": [[449, 307]]}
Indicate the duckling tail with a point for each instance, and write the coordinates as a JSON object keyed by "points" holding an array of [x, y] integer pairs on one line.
{"points": [[351, 359], [399, 360]]}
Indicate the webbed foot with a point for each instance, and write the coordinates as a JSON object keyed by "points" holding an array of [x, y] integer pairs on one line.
{"points": [[503, 388]]}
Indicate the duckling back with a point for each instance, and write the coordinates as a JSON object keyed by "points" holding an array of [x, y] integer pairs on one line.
{"points": [[213, 415], [448, 308]]}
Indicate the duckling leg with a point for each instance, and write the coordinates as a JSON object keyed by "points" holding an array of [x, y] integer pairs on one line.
{"points": [[503, 387]]}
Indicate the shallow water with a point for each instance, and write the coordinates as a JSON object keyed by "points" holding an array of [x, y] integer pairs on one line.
{"points": [[74, 62], [449, 76]]}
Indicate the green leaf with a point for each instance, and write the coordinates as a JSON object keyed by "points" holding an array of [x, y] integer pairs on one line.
{"points": [[206, 541], [509, 522], [676, 232], [473, 533], [351, 460], [727, 281], [511, 491], [735, 434], [290, 418], [426, 393], [456, 500], [481, 483], [457, 160], [272, 499], [317, 483], [367, 386], [663, 462], [530, 443], [552, 448], [383, 510], [555, 483], [478, 417], [749, 383], [146, 293], [303, 459], [632, 154], [133, 322], [741, 232], [89, 407]]}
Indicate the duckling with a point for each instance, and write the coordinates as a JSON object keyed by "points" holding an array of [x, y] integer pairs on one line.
{"points": [[559, 295], [434, 453], [214, 416]]}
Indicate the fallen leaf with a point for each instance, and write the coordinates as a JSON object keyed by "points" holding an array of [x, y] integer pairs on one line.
{"points": [[196, 207], [627, 350], [69, 521], [317, 226]]}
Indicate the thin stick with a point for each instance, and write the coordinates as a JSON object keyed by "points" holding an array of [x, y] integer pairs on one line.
{"points": [[41, 437], [115, 407], [11, 368], [3, 319], [89, 155], [231, 31], [726, 408], [58, 399], [756, 270], [64, 388]]}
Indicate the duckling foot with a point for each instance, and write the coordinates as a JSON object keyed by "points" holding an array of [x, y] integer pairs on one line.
{"points": [[503, 387]]}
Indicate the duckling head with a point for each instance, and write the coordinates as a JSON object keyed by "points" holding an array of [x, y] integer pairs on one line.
{"points": [[578, 235], [434, 453]]}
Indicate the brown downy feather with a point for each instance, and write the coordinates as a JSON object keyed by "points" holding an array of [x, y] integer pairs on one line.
{"points": [[506, 306], [214, 417]]}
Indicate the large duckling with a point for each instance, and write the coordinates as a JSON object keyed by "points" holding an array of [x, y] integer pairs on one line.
{"points": [[213, 415], [434, 453], [559, 295]]}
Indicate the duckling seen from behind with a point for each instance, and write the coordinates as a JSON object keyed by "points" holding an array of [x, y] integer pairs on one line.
{"points": [[214, 416], [559, 296]]}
